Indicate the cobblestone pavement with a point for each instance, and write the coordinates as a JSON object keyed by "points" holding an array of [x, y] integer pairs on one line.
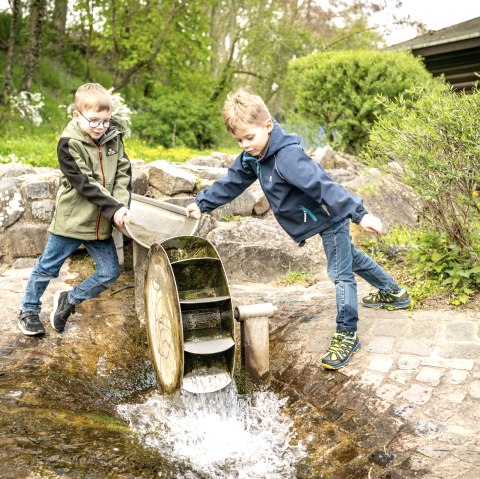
{"points": [[410, 398]]}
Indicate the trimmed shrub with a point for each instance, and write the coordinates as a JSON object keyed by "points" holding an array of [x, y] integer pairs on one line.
{"points": [[435, 144], [174, 119], [338, 90]]}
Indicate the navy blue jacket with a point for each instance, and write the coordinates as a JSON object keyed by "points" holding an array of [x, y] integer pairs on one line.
{"points": [[303, 198]]}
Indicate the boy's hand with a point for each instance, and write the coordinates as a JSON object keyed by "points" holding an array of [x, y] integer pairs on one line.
{"points": [[121, 216], [193, 210], [372, 223]]}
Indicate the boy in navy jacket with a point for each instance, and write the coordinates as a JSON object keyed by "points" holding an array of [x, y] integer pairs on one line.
{"points": [[305, 202]]}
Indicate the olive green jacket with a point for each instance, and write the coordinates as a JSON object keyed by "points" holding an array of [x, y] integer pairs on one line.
{"points": [[96, 182]]}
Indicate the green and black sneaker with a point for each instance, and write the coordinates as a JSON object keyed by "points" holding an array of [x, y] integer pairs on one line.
{"points": [[398, 299], [344, 345]]}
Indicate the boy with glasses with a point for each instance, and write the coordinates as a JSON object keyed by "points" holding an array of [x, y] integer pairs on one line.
{"points": [[305, 202], [95, 192]]}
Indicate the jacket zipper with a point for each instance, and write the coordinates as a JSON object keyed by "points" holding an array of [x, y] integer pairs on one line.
{"points": [[99, 218], [306, 212]]}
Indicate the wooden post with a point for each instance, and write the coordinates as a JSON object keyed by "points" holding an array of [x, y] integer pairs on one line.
{"points": [[254, 338]]}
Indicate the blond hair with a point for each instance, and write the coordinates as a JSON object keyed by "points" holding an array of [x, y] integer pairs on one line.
{"points": [[92, 96], [242, 108]]}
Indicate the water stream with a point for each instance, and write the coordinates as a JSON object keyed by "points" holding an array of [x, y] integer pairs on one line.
{"points": [[220, 434]]}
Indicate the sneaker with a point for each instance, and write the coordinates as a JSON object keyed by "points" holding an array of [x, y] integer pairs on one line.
{"points": [[62, 310], [392, 300], [344, 345], [29, 324]]}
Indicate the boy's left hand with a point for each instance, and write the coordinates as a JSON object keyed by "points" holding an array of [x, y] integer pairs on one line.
{"points": [[372, 223], [121, 216]]}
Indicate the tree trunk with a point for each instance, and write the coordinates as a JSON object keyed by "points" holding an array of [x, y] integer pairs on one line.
{"points": [[37, 17], [8, 87], [59, 21]]}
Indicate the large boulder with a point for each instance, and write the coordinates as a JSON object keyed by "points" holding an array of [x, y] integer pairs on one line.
{"points": [[259, 250], [386, 197], [169, 179]]}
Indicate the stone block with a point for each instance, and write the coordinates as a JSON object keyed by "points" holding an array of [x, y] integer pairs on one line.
{"points": [[474, 389], [381, 345], [368, 378], [425, 427], [404, 411], [460, 331], [415, 346], [401, 376], [456, 376], [429, 375], [242, 205], [37, 189], [139, 177], [459, 350], [43, 210], [12, 206], [204, 172], [380, 363], [453, 467], [169, 179], [388, 392], [408, 362], [261, 205], [27, 240], [417, 394], [388, 327], [441, 409]]}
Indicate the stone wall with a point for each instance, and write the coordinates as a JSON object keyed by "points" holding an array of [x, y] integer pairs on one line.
{"points": [[251, 243]]}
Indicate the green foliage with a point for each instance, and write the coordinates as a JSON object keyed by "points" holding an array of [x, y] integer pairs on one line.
{"points": [[338, 90], [297, 277], [140, 149], [427, 263], [234, 218], [173, 118], [31, 149], [40, 149], [439, 260], [436, 141]]}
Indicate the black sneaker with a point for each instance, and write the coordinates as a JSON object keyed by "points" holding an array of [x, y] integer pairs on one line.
{"points": [[344, 345], [29, 324], [62, 310], [394, 300]]}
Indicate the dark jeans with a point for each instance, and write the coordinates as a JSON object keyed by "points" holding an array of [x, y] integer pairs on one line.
{"points": [[58, 249], [343, 261]]}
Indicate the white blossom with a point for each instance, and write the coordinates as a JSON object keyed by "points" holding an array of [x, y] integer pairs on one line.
{"points": [[28, 105]]}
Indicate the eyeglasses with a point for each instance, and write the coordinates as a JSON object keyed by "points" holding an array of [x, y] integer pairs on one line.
{"points": [[96, 123]]}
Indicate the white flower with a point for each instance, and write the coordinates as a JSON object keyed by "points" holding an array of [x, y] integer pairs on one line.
{"points": [[28, 105]]}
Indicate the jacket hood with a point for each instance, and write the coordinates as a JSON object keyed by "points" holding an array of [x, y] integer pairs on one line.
{"points": [[280, 139], [72, 130]]}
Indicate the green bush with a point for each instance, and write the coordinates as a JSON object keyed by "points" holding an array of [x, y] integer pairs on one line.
{"points": [[175, 119], [338, 90], [435, 142], [427, 262]]}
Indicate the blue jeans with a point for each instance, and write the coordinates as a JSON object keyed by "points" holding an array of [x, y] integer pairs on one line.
{"points": [[58, 249], [343, 261]]}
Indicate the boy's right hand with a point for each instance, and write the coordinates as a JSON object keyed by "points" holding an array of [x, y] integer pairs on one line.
{"points": [[121, 216], [193, 210]]}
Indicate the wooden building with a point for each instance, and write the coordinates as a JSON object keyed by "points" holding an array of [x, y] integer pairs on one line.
{"points": [[453, 51]]}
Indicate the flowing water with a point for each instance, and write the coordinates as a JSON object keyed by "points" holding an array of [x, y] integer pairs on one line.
{"points": [[220, 434]]}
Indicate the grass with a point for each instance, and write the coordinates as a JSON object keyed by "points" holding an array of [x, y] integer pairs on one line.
{"points": [[39, 148], [297, 277], [234, 218]]}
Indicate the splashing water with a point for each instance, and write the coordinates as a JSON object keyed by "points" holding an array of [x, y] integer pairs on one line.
{"points": [[220, 434]]}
